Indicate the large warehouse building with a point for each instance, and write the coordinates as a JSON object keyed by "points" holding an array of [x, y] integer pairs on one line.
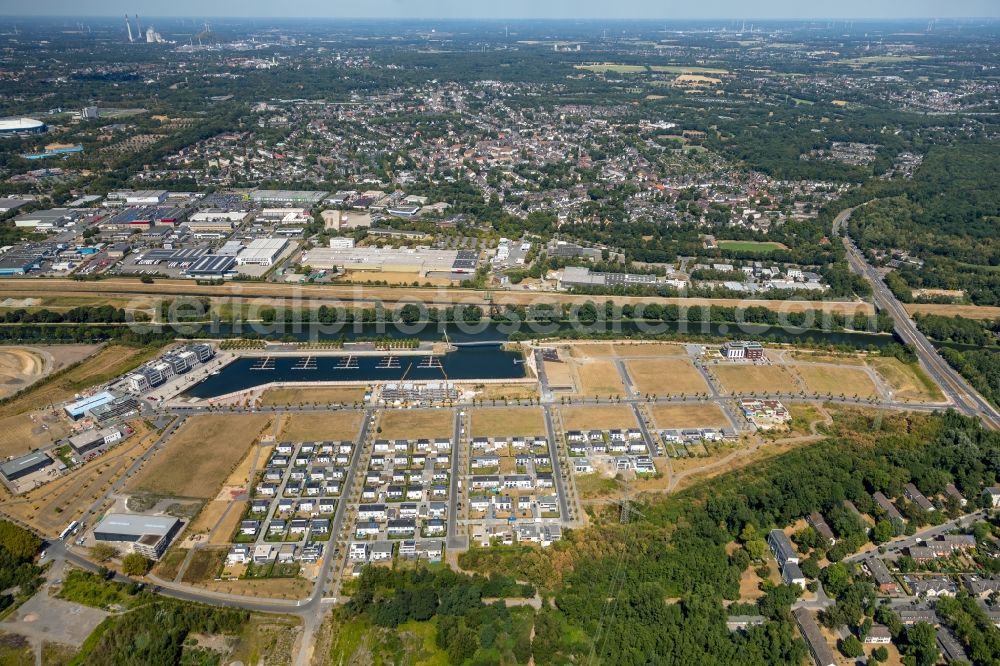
{"points": [[13, 470], [13, 126], [391, 260], [146, 535]]}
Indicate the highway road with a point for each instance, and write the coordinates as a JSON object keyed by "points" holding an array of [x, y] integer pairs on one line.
{"points": [[965, 398]]}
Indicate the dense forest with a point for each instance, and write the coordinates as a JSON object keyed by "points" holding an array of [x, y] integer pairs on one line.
{"points": [[946, 216]]}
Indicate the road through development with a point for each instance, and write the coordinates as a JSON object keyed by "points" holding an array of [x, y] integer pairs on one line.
{"points": [[965, 398]]}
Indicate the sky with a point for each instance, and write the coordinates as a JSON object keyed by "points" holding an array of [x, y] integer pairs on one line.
{"points": [[511, 9]]}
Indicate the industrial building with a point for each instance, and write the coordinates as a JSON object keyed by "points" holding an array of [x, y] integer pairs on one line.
{"points": [[577, 276], [89, 440], [45, 220], [136, 198], [17, 468], [306, 198], [119, 408], [262, 251], [146, 535], [212, 266], [80, 407], [16, 126], [403, 260]]}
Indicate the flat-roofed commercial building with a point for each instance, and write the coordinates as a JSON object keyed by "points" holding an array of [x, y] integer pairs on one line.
{"points": [[211, 266], [287, 197], [17, 468], [390, 260], [146, 535], [262, 251], [77, 409]]}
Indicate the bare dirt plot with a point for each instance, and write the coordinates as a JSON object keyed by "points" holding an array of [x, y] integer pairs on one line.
{"points": [[514, 422], [598, 417], [417, 424], [323, 395], [323, 426], [663, 376], [200, 455], [54, 505], [744, 378], [559, 374], [907, 380], [826, 379], [20, 367], [397, 278], [689, 415], [599, 378]]}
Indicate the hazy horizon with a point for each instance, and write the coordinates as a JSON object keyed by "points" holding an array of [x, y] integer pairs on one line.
{"points": [[521, 10]]}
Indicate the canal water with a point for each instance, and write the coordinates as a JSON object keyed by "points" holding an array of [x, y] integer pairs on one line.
{"points": [[465, 363]]}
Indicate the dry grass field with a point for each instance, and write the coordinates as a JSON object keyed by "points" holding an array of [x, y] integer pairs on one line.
{"points": [[519, 391], [599, 378], [54, 505], [666, 376], [321, 426], [948, 310], [200, 455], [396, 278], [206, 519], [512, 422], [227, 527], [689, 415], [417, 424], [269, 588], [907, 380], [745, 378], [826, 379], [323, 395], [822, 357], [644, 349], [21, 433], [598, 417], [590, 349]]}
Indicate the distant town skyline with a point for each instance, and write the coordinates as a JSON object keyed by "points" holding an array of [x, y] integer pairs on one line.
{"points": [[523, 9]]}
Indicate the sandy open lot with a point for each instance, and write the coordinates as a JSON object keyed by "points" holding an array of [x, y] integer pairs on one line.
{"points": [[689, 415], [597, 417], [417, 424], [200, 455], [513, 422], [663, 376], [519, 391], [322, 426], [744, 378], [825, 379]]}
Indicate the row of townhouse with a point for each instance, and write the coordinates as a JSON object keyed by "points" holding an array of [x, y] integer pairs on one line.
{"points": [[486, 444], [425, 446], [521, 460], [313, 507], [280, 527], [543, 534], [594, 437], [694, 435], [507, 504], [787, 558], [361, 552], [415, 460], [266, 553], [495, 482]]}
